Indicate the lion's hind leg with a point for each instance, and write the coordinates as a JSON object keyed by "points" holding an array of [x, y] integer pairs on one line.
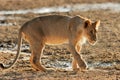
{"points": [[35, 58]]}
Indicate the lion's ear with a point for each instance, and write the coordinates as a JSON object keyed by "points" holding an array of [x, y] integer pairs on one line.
{"points": [[97, 24], [87, 23]]}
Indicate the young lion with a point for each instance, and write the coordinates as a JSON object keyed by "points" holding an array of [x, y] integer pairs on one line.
{"points": [[57, 29]]}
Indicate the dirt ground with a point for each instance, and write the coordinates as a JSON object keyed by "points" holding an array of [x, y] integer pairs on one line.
{"points": [[103, 59], [27, 4]]}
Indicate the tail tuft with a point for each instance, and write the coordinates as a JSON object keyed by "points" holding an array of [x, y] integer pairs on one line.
{"points": [[2, 66], [17, 55]]}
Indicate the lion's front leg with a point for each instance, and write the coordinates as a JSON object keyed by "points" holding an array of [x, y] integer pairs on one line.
{"points": [[75, 66], [77, 59], [74, 62]]}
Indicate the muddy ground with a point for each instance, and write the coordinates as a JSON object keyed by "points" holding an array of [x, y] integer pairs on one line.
{"points": [[103, 59]]}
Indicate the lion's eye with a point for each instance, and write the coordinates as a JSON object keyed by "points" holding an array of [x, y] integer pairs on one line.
{"points": [[91, 32]]}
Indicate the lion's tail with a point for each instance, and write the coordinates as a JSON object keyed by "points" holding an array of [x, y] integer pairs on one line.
{"points": [[17, 55]]}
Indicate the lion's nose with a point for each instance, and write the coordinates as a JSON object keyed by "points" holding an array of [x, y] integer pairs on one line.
{"points": [[95, 39]]}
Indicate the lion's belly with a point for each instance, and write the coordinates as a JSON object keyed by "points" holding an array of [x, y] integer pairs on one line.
{"points": [[56, 40]]}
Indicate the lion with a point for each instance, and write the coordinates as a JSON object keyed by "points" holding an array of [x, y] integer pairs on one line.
{"points": [[57, 29]]}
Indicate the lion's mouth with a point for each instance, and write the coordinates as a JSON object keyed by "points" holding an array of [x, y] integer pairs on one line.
{"points": [[92, 42]]}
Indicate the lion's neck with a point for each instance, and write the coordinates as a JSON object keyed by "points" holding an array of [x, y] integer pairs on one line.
{"points": [[82, 40]]}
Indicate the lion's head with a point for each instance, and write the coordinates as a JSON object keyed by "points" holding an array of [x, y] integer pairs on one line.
{"points": [[90, 31]]}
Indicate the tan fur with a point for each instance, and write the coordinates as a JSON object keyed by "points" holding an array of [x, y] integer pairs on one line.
{"points": [[57, 29]]}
